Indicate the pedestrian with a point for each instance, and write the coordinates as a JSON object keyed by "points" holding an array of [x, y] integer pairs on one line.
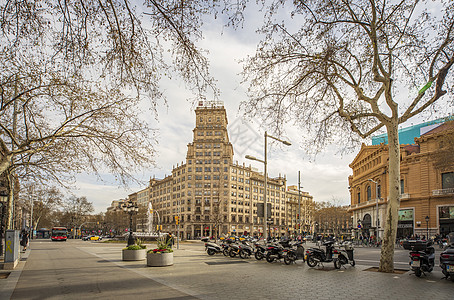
{"points": [[24, 240], [169, 240]]}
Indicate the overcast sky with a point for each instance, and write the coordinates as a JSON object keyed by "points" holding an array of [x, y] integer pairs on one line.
{"points": [[325, 178]]}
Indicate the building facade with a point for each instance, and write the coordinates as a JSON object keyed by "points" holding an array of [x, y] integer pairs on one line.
{"points": [[210, 194], [427, 186]]}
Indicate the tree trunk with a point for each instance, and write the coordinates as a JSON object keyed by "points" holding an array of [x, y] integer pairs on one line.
{"points": [[9, 213], [389, 236]]}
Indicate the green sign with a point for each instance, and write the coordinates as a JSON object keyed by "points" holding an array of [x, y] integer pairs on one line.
{"points": [[406, 215]]}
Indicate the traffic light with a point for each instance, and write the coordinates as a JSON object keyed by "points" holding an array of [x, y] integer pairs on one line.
{"points": [[177, 220]]}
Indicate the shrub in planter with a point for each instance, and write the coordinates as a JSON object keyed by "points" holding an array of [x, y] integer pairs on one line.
{"points": [[134, 252], [161, 256]]}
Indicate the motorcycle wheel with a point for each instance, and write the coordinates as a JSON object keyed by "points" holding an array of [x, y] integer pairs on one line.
{"points": [[225, 252], [244, 254], [210, 252], [258, 255], [311, 261], [232, 253], [338, 263], [289, 258], [269, 258], [418, 272]]}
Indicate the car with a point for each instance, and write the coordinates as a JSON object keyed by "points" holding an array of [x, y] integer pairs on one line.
{"points": [[86, 238], [95, 238]]}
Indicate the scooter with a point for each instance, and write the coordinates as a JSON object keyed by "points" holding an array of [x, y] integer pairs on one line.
{"points": [[294, 253], [260, 251], [276, 251], [422, 256], [344, 256], [212, 248], [447, 259], [315, 256]]}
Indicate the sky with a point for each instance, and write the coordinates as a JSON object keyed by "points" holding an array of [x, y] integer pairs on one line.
{"points": [[325, 177]]}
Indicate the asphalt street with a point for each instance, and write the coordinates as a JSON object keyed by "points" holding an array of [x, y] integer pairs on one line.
{"points": [[94, 270]]}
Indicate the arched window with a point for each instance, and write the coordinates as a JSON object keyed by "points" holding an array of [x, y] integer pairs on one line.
{"points": [[369, 193], [379, 191], [359, 196]]}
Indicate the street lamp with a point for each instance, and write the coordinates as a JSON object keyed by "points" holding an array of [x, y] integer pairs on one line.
{"points": [[376, 206], [427, 218], [265, 215], [3, 202], [131, 209]]}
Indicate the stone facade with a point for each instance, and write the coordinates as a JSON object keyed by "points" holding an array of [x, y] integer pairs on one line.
{"points": [[427, 188], [210, 194]]}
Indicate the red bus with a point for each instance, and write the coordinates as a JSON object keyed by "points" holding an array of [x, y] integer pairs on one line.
{"points": [[59, 234]]}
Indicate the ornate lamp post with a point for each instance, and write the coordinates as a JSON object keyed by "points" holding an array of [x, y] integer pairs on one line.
{"points": [[131, 208], [427, 218]]}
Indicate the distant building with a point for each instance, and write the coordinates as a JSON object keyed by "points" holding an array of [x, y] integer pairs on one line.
{"points": [[210, 194], [407, 135], [427, 187]]}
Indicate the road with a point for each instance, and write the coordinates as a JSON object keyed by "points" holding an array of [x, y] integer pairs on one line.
{"points": [[93, 270]]}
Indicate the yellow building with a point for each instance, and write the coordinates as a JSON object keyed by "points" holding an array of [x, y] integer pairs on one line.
{"points": [[427, 186]]}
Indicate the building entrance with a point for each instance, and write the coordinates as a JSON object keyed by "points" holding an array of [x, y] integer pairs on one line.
{"points": [[446, 219]]}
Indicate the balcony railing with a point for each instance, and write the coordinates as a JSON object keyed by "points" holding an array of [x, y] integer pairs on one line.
{"points": [[443, 192], [404, 196]]}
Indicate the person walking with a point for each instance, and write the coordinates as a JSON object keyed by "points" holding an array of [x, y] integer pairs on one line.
{"points": [[24, 240]]}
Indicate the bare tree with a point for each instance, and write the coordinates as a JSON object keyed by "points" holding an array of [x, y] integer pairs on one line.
{"points": [[340, 68], [45, 200], [76, 210], [73, 74]]}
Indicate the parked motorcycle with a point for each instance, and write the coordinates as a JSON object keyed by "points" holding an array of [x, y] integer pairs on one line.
{"points": [[212, 248], [447, 258], [343, 256], [315, 256], [294, 253], [422, 256], [260, 251], [276, 251], [245, 249]]}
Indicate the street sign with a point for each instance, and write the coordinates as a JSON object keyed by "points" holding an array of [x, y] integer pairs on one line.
{"points": [[359, 225]]}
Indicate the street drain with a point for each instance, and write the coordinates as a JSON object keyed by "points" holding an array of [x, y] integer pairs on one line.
{"points": [[396, 271], [213, 263], [4, 275]]}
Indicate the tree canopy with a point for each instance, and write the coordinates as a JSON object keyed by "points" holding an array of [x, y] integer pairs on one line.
{"points": [[343, 69]]}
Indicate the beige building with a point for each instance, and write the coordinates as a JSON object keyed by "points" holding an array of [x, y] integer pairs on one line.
{"points": [[210, 194], [427, 186], [303, 202]]}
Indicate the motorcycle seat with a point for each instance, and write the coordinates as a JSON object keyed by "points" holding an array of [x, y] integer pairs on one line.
{"points": [[430, 250]]}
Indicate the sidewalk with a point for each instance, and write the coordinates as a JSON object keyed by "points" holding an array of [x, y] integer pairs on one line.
{"points": [[197, 275], [9, 278]]}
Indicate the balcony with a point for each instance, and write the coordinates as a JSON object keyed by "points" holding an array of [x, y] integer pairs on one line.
{"points": [[443, 192], [405, 196]]}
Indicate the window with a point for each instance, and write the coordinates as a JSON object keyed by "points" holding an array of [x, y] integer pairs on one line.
{"points": [[359, 197], [379, 191], [447, 180], [369, 193], [402, 189]]}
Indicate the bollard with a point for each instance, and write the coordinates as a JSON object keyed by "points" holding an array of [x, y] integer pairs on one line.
{"points": [[12, 249]]}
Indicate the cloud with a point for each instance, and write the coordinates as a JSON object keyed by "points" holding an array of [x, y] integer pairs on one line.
{"points": [[325, 178]]}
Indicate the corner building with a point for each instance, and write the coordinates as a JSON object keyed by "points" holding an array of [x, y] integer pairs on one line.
{"points": [[426, 186], [210, 193]]}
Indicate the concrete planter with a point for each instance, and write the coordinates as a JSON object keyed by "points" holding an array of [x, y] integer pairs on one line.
{"points": [[159, 259], [134, 254]]}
